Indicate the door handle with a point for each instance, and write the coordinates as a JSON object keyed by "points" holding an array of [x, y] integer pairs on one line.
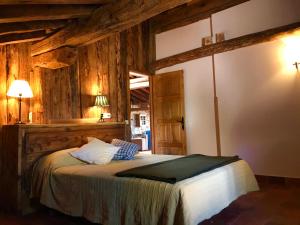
{"points": [[182, 122]]}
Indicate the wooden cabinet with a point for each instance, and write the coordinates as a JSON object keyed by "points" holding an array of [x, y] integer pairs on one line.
{"points": [[23, 145]]}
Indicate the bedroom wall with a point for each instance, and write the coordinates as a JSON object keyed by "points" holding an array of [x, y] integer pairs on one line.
{"points": [[258, 89], [68, 93]]}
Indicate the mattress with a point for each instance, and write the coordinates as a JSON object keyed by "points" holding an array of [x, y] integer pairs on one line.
{"points": [[78, 189]]}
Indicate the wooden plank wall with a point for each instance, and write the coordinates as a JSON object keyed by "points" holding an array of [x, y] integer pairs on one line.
{"points": [[69, 92]]}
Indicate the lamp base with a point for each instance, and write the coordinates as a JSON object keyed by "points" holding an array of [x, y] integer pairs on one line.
{"points": [[101, 120]]}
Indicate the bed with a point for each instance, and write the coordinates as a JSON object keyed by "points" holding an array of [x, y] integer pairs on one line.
{"points": [[78, 189]]}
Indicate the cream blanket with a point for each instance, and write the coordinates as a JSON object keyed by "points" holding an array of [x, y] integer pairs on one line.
{"points": [[92, 191]]}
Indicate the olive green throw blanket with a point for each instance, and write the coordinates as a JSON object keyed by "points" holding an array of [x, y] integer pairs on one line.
{"points": [[179, 169]]}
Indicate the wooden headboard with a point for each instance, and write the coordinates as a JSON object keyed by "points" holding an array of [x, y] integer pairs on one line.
{"points": [[23, 145]]}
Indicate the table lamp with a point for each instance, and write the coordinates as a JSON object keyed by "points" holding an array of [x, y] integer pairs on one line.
{"points": [[20, 89], [101, 101]]}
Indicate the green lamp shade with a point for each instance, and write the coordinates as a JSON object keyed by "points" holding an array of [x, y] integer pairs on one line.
{"points": [[101, 101]]}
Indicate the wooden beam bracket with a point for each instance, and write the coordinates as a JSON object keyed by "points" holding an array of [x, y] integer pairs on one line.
{"points": [[58, 58]]}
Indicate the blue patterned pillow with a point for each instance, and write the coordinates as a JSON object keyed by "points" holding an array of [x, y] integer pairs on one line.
{"points": [[127, 150]]}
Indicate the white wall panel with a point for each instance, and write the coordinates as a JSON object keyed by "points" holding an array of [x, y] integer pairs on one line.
{"points": [[181, 39], [259, 107], [254, 16]]}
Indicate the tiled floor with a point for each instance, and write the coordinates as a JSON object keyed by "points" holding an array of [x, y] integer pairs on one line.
{"points": [[275, 204]]}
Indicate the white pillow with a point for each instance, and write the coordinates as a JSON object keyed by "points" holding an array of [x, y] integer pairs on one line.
{"points": [[96, 152]]}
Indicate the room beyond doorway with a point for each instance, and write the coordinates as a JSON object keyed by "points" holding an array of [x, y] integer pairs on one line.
{"points": [[140, 114]]}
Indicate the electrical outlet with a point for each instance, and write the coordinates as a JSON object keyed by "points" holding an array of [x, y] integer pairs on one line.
{"points": [[106, 115]]}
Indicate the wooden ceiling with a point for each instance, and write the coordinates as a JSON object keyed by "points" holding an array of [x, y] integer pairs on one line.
{"points": [[63, 2], [140, 96], [31, 20], [57, 24]]}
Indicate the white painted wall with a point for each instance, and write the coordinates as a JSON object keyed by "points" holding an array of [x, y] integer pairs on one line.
{"points": [[184, 38], [259, 97], [255, 16], [199, 105], [259, 109]]}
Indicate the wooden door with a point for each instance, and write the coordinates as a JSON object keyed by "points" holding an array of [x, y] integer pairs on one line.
{"points": [[168, 113]]}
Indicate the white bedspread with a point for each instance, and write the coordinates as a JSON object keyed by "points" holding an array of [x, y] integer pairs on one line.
{"points": [[196, 199]]}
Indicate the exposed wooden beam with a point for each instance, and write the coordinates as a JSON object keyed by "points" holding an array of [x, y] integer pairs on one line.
{"points": [[135, 99], [9, 28], [147, 90], [142, 92], [104, 22], [138, 80], [56, 59], [137, 74], [229, 45], [139, 97], [22, 13], [34, 2], [190, 13], [139, 85], [19, 38]]}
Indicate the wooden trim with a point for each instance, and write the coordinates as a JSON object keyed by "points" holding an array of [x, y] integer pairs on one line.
{"points": [[152, 128], [229, 45], [216, 103], [105, 21], [262, 179]]}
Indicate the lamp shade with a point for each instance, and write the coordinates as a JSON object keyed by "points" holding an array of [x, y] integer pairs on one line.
{"points": [[101, 101], [20, 88]]}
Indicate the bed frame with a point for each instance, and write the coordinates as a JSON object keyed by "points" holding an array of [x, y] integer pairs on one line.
{"points": [[22, 145]]}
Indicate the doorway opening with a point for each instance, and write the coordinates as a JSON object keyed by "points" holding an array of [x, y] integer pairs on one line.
{"points": [[140, 110]]}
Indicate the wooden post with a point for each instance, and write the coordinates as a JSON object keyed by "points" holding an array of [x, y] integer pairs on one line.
{"points": [[216, 104]]}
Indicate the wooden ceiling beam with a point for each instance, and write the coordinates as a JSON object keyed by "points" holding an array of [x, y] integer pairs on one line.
{"points": [[228, 45], [142, 91], [23, 13], [147, 90], [135, 99], [34, 2], [56, 59], [9, 28], [142, 98], [189, 13], [138, 80], [105, 21], [19, 38]]}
